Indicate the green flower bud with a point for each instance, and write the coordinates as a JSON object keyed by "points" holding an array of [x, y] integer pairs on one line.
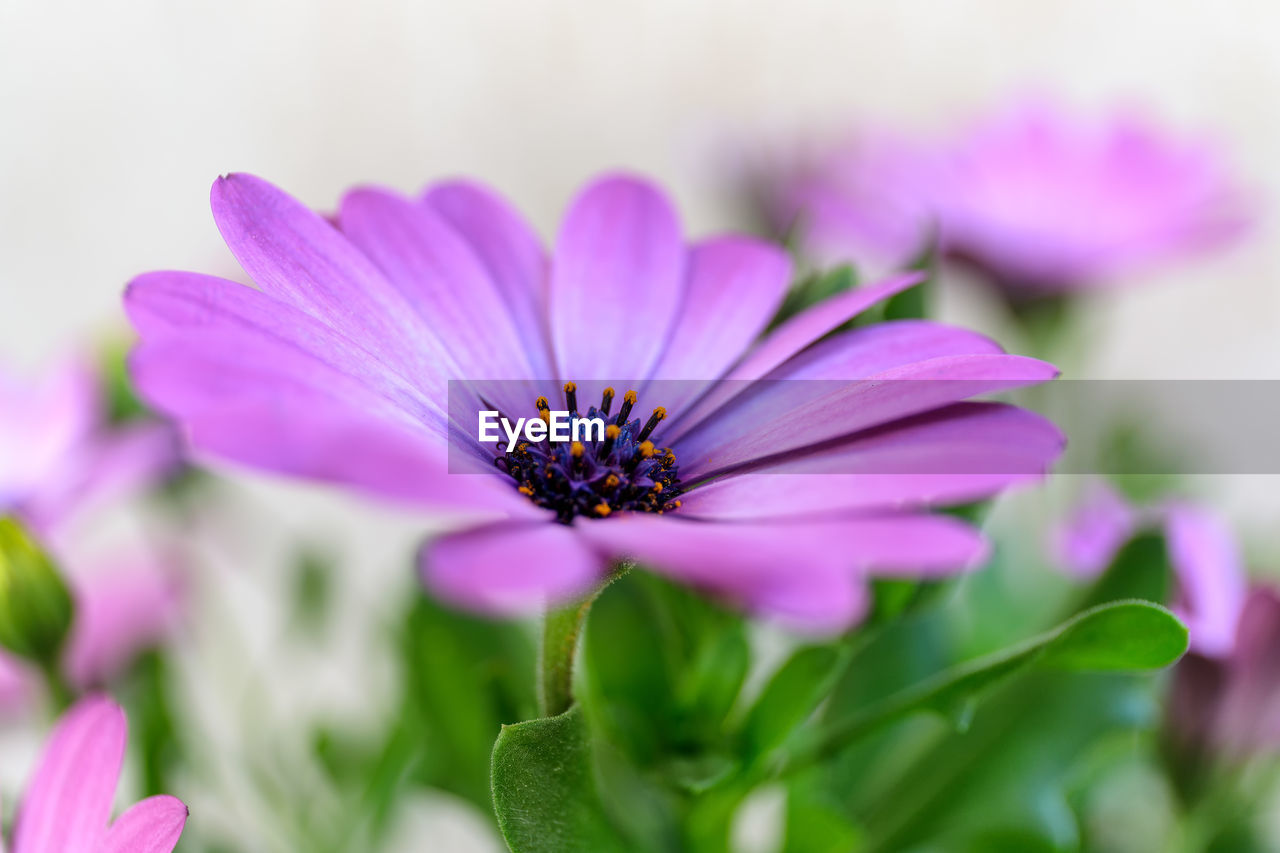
{"points": [[35, 606]]}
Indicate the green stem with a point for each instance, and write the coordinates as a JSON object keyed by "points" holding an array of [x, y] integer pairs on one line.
{"points": [[561, 629], [60, 693]]}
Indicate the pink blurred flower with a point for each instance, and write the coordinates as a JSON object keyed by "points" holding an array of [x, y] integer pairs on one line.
{"points": [[61, 466], [1205, 559], [68, 804], [1040, 200], [336, 369]]}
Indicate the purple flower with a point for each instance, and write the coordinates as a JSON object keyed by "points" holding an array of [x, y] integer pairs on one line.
{"points": [[68, 803], [335, 368], [62, 465], [1040, 200], [1204, 557], [1230, 707]]}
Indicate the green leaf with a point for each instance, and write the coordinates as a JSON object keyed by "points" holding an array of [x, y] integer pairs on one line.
{"points": [[1139, 570], [1123, 636], [662, 669], [814, 289], [913, 303], [544, 793], [465, 676], [792, 694]]}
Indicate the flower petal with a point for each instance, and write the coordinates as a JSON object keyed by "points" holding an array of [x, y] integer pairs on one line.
{"points": [[512, 567], [218, 320], [68, 803], [784, 573], [784, 416], [963, 453], [120, 611], [617, 281], [436, 271], [151, 826], [1087, 542], [337, 445], [511, 252], [1211, 577], [793, 336], [735, 285], [297, 257]]}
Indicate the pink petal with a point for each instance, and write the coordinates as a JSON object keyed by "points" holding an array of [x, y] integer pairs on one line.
{"points": [[151, 826], [617, 281], [120, 611], [68, 803], [735, 286], [513, 567], [1211, 577], [297, 257], [1088, 541], [790, 338], [962, 453], [784, 416], [511, 252], [336, 445], [444, 281]]}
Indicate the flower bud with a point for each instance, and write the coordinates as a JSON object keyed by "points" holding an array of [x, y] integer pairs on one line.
{"points": [[35, 606]]}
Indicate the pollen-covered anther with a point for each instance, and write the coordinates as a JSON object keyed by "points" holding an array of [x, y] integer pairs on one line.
{"points": [[615, 470]]}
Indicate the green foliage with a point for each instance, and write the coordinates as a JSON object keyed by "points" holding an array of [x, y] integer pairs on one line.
{"points": [[813, 289]]}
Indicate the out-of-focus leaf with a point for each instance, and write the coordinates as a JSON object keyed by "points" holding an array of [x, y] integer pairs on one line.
{"points": [[465, 677], [815, 822], [914, 302], [1139, 570], [1124, 636], [663, 668], [544, 793], [813, 289], [792, 694]]}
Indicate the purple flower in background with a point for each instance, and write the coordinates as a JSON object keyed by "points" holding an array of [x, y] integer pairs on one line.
{"points": [[62, 465], [68, 803], [1231, 706], [1040, 200], [335, 368], [1205, 559]]}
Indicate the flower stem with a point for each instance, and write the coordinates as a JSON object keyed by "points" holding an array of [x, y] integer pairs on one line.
{"points": [[561, 629]]}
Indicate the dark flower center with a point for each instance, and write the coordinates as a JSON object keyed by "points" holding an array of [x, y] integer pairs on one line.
{"points": [[621, 472]]}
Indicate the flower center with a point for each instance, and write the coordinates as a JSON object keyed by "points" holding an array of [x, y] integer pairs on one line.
{"points": [[622, 472]]}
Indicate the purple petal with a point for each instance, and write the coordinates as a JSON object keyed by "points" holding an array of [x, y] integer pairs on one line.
{"points": [[804, 572], [784, 416], [512, 567], [735, 286], [1090, 539], [735, 282], [959, 454], [787, 574], [68, 803], [449, 287], [112, 467], [296, 256], [336, 445], [44, 422], [120, 611], [223, 323], [617, 281], [787, 340], [511, 252], [1211, 577], [1249, 719], [151, 826]]}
